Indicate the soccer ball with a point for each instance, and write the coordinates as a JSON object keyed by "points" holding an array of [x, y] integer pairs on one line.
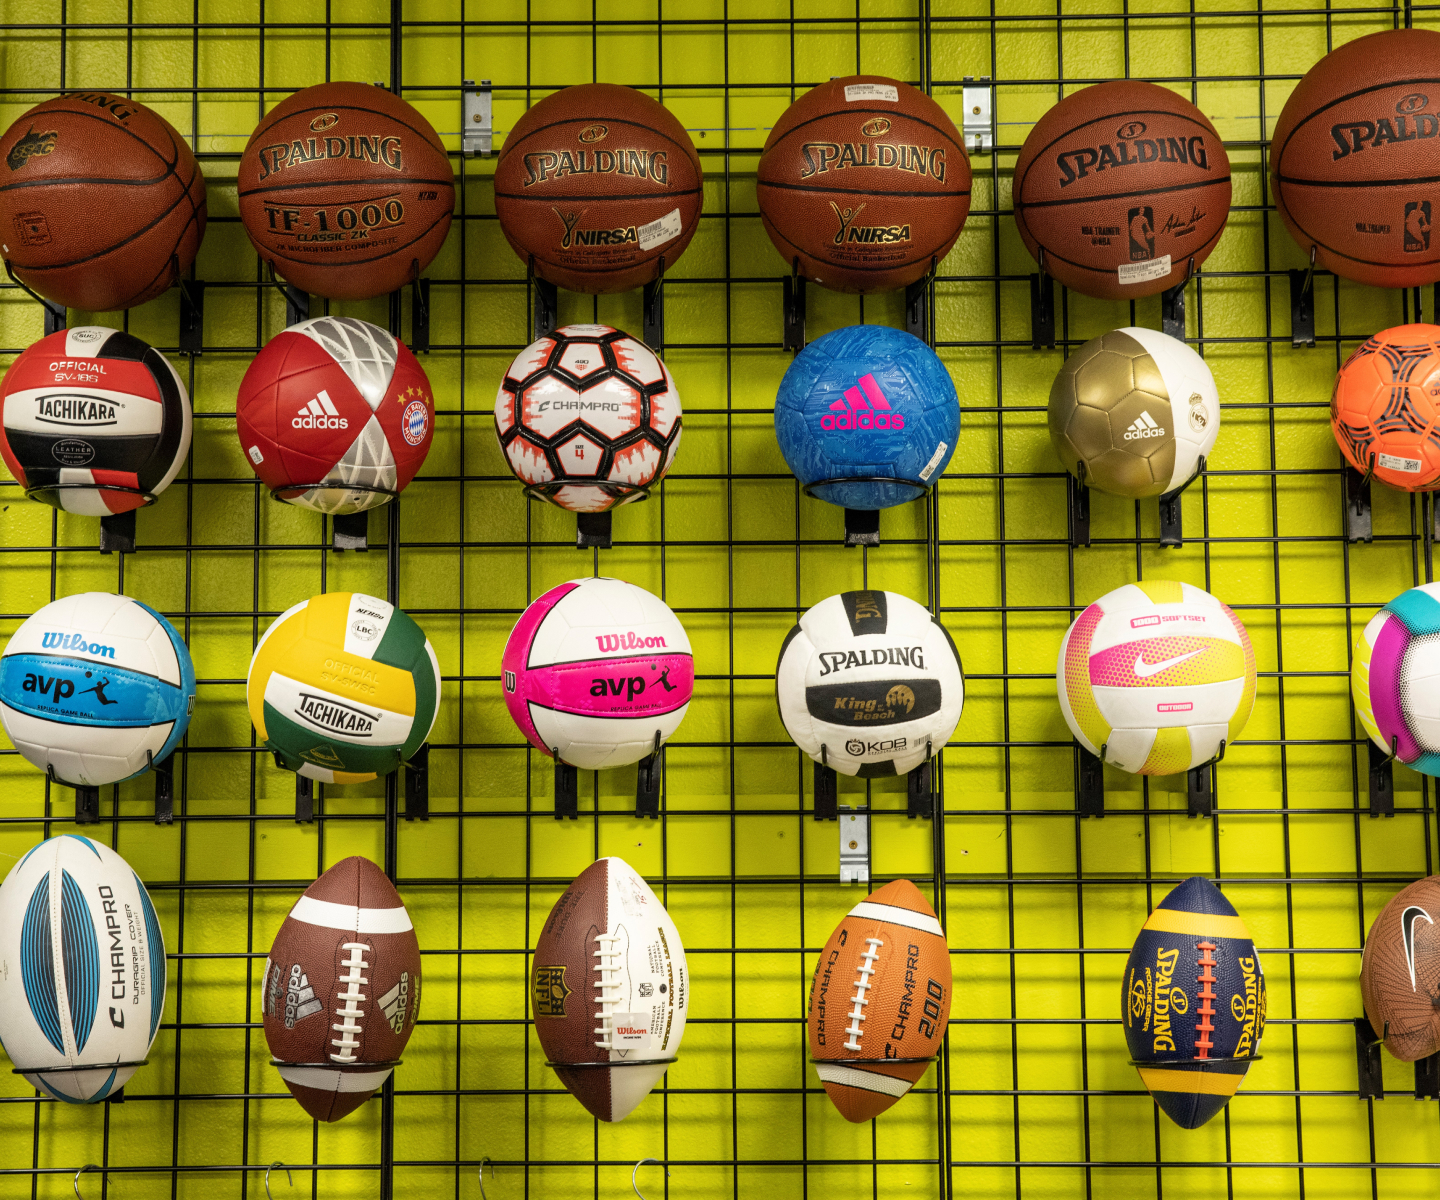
{"points": [[335, 415], [869, 683], [1133, 411], [595, 671], [588, 418], [343, 687], [95, 421], [1155, 677], [95, 687], [864, 405], [1385, 405], [1395, 678]]}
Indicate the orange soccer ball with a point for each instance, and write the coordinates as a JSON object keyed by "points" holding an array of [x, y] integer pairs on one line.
{"points": [[1385, 410]]}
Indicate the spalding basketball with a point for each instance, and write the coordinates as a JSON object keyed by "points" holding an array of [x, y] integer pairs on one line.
{"points": [[1122, 186], [598, 188], [865, 183], [102, 204], [346, 190], [1355, 160], [335, 415]]}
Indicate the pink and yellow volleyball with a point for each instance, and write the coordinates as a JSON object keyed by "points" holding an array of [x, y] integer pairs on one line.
{"points": [[598, 673], [1395, 678], [1156, 677]]}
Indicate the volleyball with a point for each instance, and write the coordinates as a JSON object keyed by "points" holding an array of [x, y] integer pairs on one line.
{"points": [[1385, 407], [870, 683], [343, 687], [1395, 678], [95, 687], [598, 673], [1155, 677]]}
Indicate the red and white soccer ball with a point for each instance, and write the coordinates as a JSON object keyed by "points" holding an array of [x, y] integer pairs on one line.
{"points": [[338, 402], [588, 418], [595, 671]]}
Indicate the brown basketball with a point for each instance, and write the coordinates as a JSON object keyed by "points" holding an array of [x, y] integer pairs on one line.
{"points": [[1400, 972], [598, 187], [865, 181], [1355, 160], [1122, 185], [102, 204], [346, 190]]}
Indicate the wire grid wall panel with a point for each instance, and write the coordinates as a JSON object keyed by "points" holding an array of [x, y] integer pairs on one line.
{"points": [[1034, 1096]]}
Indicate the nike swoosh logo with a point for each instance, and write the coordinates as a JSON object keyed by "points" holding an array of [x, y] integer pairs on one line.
{"points": [[1407, 932], [1145, 670]]}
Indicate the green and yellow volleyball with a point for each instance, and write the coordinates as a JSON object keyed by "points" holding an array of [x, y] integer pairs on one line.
{"points": [[343, 687]]}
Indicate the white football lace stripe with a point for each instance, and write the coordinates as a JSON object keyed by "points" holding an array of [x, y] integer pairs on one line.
{"points": [[334, 1081], [608, 988], [862, 985], [350, 1013], [868, 1081], [348, 917], [893, 915]]}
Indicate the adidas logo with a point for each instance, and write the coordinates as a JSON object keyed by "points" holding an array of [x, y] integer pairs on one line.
{"points": [[320, 413], [864, 407], [1144, 426]]}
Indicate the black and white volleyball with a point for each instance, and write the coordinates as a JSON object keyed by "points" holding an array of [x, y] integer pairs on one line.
{"points": [[870, 684]]}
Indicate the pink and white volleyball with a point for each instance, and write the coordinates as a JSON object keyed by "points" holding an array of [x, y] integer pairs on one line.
{"points": [[594, 670]]}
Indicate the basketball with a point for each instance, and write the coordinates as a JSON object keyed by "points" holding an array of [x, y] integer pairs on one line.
{"points": [[865, 181], [1106, 227], [346, 191], [1355, 161], [102, 204], [598, 188]]}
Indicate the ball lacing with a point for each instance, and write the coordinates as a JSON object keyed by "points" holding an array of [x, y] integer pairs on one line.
{"points": [[862, 985]]}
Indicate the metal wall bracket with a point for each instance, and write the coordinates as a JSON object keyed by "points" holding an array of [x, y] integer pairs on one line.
{"points": [[1042, 311], [1089, 783], [794, 303], [1367, 1061], [1172, 519], [593, 530], [547, 308], [420, 316], [1358, 524], [854, 845], [117, 533], [979, 115], [350, 531], [647, 783], [55, 319], [164, 789], [1172, 311], [827, 791], [1200, 787], [1079, 505], [1382, 782], [417, 784], [1427, 1078], [304, 799], [920, 788], [192, 316], [87, 805], [917, 307], [1302, 308], [476, 128], [862, 527], [652, 308], [567, 791]]}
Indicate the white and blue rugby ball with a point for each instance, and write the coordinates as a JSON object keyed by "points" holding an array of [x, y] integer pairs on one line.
{"points": [[94, 687], [82, 969]]}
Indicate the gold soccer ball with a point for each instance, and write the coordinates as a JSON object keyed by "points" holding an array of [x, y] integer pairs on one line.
{"points": [[1133, 411]]}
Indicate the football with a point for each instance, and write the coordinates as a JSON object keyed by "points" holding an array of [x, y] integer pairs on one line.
{"points": [[1400, 972], [1193, 1002], [588, 418], [867, 417], [1385, 408], [1156, 677], [869, 683], [77, 1028], [1132, 413], [1395, 678], [340, 991], [609, 989], [879, 1001], [95, 421], [336, 415]]}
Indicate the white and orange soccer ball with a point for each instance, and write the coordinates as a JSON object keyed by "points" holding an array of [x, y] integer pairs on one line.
{"points": [[1156, 677], [588, 418]]}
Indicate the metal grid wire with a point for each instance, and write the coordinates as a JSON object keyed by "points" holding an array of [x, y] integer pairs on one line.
{"points": [[987, 550]]}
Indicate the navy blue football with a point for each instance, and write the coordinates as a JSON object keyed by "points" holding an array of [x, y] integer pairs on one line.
{"points": [[1193, 1002], [867, 404]]}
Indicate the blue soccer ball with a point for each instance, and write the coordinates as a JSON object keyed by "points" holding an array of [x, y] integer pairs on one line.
{"points": [[867, 403]]}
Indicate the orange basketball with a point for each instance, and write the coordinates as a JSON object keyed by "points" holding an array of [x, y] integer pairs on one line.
{"points": [[1385, 409], [865, 181], [1355, 160], [1122, 185]]}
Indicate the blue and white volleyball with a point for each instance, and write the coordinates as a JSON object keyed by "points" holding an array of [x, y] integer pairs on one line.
{"points": [[82, 969], [95, 687], [863, 406]]}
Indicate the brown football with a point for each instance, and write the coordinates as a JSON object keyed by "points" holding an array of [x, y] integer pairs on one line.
{"points": [[597, 186], [341, 989], [880, 1000], [346, 190], [865, 183], [102, 204], [1400, 972]]}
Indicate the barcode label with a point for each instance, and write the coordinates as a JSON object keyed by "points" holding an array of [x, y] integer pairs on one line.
{"points": [[1411, 466], [872, 91], [934, 462], [657, 233], [1143, 272]]}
